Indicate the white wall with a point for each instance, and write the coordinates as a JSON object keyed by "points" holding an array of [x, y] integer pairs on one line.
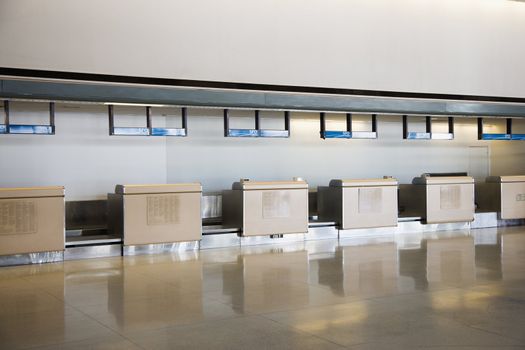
{"points": [[89, 162], [207, 156], [81, 156], [438, 46]]}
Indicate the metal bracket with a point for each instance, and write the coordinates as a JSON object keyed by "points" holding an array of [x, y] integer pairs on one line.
{"points": [[149, 130], [348, 133], [8, 128], [428, 134], [257, 132], [508, 136]]}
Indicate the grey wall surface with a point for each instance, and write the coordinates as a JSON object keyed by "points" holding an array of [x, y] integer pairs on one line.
{"points": [[216, 161], [81, 156], [436, 46], [89, 162]]}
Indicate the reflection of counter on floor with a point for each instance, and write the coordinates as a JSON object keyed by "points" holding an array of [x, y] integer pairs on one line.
{"points": [[488, 254], [267, 280], [513, 255], [133, 294], [370, 268], [413, 264], [33, 311], [451, 260], [330, 273]]}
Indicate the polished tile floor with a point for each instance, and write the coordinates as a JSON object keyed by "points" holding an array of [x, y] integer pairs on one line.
{"points": [[452, 289]]}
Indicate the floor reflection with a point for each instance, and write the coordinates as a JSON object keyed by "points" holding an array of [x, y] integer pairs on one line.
{"points": [[350, 291], [263, 281], [368, 269], [450, 260], [170, 293], [512, 255]]}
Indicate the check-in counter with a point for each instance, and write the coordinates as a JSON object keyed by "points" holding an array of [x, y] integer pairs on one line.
{"points": [[32, 220], [504, 195], [266, 208], [439, 199], [154, 214], [359, 203]]}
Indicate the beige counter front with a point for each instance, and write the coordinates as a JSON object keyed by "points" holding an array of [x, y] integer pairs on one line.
{"points": [[153, 214], [32, 220], [439, 199], [359, 203], [502, 194], [267, 208]]}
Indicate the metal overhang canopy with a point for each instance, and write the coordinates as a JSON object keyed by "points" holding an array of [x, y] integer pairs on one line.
{"points": [[98, 92]]}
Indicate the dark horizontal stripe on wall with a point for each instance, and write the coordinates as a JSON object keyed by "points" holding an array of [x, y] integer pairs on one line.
{"points": [[47, 74]]}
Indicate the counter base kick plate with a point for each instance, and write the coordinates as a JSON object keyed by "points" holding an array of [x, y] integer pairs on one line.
{"points": [[31, 258], [92, 252], [219, 237], [161, 248]]}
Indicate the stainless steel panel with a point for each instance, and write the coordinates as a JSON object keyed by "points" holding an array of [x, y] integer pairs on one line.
{"points": [[321, 232], [211, 206], [84, 240], [31, 258], [511, 222], [219, 229], [220, 241], [484, 220], [148, 249], [91, 252], [277, 239]]}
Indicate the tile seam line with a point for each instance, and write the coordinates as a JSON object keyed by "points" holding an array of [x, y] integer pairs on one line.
{"points": [[300, 331], [75, 341], [113, 331], [453, 319], [493, 333], [183, 325]]}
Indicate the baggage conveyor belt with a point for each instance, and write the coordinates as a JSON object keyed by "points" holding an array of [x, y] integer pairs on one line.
{"points": [[75, 238]]}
